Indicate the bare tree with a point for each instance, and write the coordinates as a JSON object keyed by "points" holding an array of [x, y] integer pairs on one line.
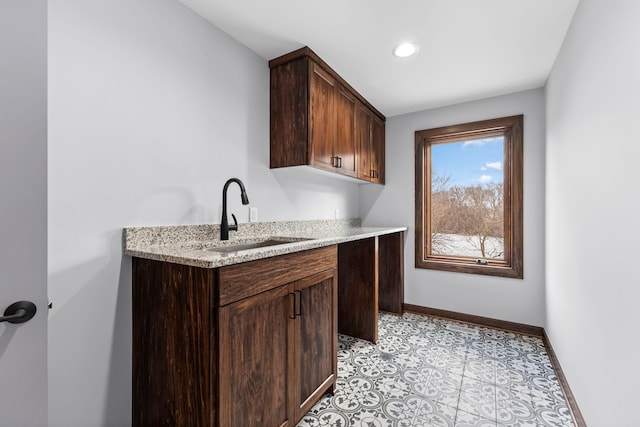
{"points": [[440, 207], [485, 205], [475, 212]]}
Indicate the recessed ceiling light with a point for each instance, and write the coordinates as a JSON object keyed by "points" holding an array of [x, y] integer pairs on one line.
{"points": [[405, 49]]}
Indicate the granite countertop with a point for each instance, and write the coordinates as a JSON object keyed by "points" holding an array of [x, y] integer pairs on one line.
{"points": [[191, 244]]}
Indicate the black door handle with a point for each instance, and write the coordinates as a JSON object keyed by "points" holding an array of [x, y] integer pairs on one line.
{"points": [[19, 312]]}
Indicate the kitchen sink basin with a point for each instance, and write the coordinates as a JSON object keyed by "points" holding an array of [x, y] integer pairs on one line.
{"points": [[253, 245]]}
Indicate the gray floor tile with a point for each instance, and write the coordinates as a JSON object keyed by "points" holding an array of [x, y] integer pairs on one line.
{"points": [[434, 372]]}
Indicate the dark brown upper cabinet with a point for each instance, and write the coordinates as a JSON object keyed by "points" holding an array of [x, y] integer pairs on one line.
{"points": [[319, 120], [370, 137]]}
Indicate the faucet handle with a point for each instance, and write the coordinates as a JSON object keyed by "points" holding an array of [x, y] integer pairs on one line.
{"points": [[235, 222]]}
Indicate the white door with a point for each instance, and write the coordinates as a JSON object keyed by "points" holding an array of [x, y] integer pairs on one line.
{"points": [[23, 210]]}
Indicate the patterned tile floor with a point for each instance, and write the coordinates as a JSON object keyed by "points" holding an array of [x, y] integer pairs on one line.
{"points": [[434, 372]]}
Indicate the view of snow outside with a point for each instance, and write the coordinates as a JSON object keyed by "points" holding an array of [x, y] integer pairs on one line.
{"points": [[467, 198], [467, 246]]}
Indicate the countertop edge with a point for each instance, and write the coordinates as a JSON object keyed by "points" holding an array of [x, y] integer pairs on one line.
{"points": [[198, 258]]}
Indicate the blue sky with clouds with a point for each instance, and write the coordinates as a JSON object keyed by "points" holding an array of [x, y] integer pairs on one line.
{"points": [[472, 162]]}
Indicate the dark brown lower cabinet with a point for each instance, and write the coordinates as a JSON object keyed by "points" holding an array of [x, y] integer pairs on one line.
{"points": [[280, 353], [256, 352], [209, 351], [316, 337]]}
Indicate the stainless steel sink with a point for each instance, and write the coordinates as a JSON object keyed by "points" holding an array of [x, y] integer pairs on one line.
{"points": [[253, 245]]}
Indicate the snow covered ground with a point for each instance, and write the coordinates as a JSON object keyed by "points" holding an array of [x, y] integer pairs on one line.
{"points": [[468, 246]]}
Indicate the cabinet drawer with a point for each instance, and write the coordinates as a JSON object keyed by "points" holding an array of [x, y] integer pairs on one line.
{"points": [[243, 280]]}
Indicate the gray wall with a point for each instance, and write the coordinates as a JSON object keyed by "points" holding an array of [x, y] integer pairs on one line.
{"points": [[593, 105], [23, 209], [501, 298], [151, 109]]}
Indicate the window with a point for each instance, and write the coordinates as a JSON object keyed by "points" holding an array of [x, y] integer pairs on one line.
{"points": [[469, 198]]}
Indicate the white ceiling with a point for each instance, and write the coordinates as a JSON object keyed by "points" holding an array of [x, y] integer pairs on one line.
{"points": [[469, 49]]}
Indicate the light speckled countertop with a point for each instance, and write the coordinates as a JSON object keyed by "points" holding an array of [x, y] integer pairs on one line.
{"points": [[189, 244]]}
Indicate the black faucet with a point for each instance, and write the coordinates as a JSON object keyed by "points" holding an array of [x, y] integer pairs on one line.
{"points": [[224, 223]]}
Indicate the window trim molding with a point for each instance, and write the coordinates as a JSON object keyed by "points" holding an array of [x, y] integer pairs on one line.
{"points": [[512, 128]]}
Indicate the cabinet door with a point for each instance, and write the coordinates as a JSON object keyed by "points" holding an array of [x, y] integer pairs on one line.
{"points": [[363, 138], [256, 353], [377, 150], [316, 338], [322, 120], [345, 143], [370, 139]]}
